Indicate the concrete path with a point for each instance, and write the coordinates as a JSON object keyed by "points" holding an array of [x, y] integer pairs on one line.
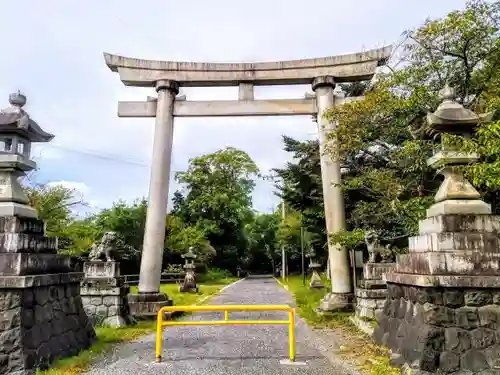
{"points": [[231, 350]]}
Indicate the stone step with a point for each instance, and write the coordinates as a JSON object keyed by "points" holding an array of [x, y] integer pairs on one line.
{"points": [[460, 223], [371, 303], [449, 263], [448, 241], [372, 284], [375, 271], [371, 293]]}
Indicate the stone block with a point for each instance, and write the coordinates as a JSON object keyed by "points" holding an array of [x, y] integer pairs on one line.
{"points": [[28, 263], [460, 281], [459, 207], [375, 271], [371, 293], [372, 284], [101, 269], [146, 306], [449, 263], [460, 223], [451, 241]]}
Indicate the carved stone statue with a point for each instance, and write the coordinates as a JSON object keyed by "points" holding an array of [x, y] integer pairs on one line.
{"points": [[105, 248], [372, 241], [388, 254], [376, 252]]}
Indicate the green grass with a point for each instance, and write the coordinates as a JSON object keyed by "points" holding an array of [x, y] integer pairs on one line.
{"points": [[308, 300], [107, 337], [356, 346]]}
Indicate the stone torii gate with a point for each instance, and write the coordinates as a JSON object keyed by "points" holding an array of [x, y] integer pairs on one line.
{"points": [[167, 76]]}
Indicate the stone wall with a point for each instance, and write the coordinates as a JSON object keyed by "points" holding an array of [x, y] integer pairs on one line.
{"points": [[103, 308], [449, 329], [369, 302], [40, 324]]}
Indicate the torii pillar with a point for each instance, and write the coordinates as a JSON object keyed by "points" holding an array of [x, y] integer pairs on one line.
{"points": [[341, 296]]}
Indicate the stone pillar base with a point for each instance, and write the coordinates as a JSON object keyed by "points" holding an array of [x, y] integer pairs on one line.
{"points": [[337, 302], [41, 319], [146, 305], [188, 289]]}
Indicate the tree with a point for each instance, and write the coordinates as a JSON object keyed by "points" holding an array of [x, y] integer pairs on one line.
{"points": [[180, 237], [262, 243], [292, 236], [217, 199], [383, 140], [302, 190], [53, 204]]}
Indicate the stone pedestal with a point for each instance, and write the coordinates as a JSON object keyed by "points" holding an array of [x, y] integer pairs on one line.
{"points": [[337, 302], [41, 312], [442, 311], [316, 282], [372, 291], [189, 284], [104, 294], [145, 306]]}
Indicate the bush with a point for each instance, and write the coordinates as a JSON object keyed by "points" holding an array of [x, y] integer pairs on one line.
{"points": [[214, 274], [173, 268]]}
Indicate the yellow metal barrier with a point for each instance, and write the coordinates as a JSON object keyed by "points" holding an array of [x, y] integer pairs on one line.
{"points": [[161, 323]]}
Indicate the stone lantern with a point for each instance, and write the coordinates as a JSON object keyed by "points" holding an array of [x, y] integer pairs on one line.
{"points": [[41, 306], [17, 132], [189, 284], [443, 297], [315, 266]]}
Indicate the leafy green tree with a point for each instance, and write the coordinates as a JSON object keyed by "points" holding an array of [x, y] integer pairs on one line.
{"points": [[53, 204], [180, 237], [383, 139], [302, 190], [262, 243], [217, 199], [127, 220]]}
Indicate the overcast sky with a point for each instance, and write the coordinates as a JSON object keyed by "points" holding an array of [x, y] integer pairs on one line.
{"points": [[52, 50]]}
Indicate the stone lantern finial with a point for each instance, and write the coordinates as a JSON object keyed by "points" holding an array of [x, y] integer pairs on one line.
{"points": [[447, 92], [17, 99]]}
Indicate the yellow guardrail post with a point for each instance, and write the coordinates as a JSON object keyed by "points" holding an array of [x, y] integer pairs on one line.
{"points": [[159, 335], [291, 333], [160, 324]]}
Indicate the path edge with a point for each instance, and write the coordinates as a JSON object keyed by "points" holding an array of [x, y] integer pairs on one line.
{"points": [[320, 344]]}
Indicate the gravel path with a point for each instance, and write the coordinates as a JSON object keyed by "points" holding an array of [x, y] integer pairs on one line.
{"points": [[231, 350]]}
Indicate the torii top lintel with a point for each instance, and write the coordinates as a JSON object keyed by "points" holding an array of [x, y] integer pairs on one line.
{"points": [[344, 68]]}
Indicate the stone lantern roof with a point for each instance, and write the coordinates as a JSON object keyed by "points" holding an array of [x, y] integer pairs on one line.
{"points": [[452, 117], [189, 255], [14, 119]]}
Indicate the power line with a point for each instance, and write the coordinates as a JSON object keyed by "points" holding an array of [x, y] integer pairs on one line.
{"points": [[98, 155]]}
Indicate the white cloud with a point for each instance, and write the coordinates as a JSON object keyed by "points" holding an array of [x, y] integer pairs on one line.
{"points": [[56, 59]]}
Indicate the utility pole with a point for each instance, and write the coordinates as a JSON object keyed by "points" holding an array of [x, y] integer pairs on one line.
{"points": [[302, 252], [283, 255]]}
